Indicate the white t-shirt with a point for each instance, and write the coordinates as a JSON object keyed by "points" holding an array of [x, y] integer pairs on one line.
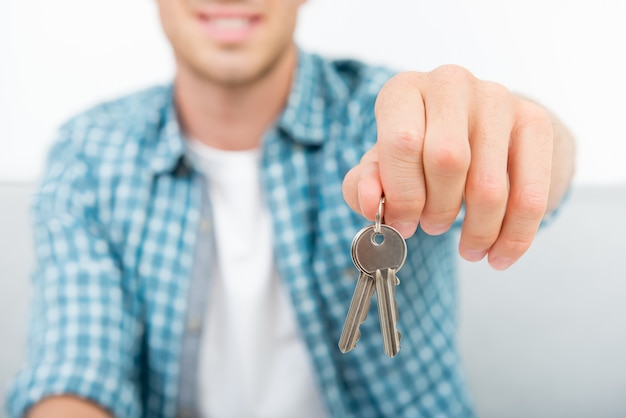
{"points": [[253, 361]]}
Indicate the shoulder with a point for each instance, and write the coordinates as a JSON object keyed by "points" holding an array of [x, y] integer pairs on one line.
{"points": [[113, 125], [352, 79], [142, 105], [102, 141]]}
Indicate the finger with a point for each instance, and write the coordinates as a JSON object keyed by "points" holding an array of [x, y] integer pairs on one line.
{"points": [[446, 147], [362, 187], [401, 125], [486, 190], [530, 159]]}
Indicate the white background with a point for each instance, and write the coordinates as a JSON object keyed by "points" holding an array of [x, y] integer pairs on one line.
{"points": [[57, 57]]}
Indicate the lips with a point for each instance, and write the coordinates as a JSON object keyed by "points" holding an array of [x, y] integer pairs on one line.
{"points": [[229, 26]]}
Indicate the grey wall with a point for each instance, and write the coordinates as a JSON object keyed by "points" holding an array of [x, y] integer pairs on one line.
{"points": [[16, 259], [547, 338]]}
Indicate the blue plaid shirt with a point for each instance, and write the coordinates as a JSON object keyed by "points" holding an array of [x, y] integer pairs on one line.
{"points": [[116, 221]]}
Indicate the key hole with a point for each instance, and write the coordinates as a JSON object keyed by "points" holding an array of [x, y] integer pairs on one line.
{"points": [[378, 239]]}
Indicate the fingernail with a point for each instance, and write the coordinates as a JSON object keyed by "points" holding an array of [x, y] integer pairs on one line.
{"points": [[406, 229], [501, 263], [435, 229], [473, 255]]}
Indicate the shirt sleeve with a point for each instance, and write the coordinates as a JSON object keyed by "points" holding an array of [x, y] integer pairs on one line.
{"points": [[83, 338]]}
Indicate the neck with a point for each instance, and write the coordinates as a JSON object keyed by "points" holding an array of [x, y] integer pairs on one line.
{"points": [[232, 117]]}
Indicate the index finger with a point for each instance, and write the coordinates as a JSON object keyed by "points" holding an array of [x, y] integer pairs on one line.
{"points": [[400, 119]]}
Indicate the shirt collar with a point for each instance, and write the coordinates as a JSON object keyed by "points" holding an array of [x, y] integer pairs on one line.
{"points": [[316, 92], [170, 146]]}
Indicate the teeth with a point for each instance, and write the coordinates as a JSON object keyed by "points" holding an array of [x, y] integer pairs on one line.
{"points": [[230, 23]]}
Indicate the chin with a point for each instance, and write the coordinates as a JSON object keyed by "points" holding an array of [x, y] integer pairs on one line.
{"points": [[231, 75], [233, 79], [238, 70]]}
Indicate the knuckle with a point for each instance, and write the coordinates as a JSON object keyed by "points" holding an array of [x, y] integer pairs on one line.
{"points": [[480, 239], [515, 246], [400, 82], [404, 78], [448, 157], [497, 100], [541, 119], [535, 116], [405, 204], [454, 72], [497, 92], [442, 216], [370, 156], [487, 191], [407, 142], [479, 236], [531, 203]]}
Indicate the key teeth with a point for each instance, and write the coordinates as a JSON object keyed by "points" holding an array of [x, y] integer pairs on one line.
{"points": [[392, 273], [357, 313], [388, 311], [352, 346]]}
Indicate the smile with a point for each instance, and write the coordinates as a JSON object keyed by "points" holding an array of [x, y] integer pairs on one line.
{"points": [[230, 23], [229, 28]]}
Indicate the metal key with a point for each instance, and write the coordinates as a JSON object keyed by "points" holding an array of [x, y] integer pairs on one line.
{"points": [[388, 310], [377, 250], [357, 312], [381, 255]]}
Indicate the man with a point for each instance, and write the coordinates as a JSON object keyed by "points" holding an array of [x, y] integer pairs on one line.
{"points": [[193, 242]]}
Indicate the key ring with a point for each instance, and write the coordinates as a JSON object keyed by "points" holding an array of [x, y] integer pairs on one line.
{"points": [[379, 215]]}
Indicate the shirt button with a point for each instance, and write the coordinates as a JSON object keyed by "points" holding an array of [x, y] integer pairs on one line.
{"points": [[205, 225], [193, 325], [184, 413]]}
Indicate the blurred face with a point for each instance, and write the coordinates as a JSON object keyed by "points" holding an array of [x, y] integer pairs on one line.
{"points": [[229, 42]]}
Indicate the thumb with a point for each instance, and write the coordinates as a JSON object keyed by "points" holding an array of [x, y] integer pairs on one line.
{"points": [[362, 187]]}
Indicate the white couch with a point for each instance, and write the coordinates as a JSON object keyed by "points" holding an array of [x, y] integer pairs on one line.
{"points": [[547, 338]]}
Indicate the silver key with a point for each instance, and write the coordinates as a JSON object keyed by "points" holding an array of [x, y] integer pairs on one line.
{"points": [[372, 250], [381, 255], [377, 250], [357, 312], [388, 310]]}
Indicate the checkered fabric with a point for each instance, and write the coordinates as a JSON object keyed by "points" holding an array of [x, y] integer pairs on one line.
{"points": [[116, 221]]}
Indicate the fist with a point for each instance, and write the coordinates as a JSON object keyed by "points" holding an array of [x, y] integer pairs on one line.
{"points": [[446, 138]]}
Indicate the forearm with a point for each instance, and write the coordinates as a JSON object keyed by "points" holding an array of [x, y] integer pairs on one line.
{"points": [[66, 406], [71, 362]]}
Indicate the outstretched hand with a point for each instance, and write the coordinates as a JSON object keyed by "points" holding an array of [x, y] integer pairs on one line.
{"points": [[446, 138]]}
